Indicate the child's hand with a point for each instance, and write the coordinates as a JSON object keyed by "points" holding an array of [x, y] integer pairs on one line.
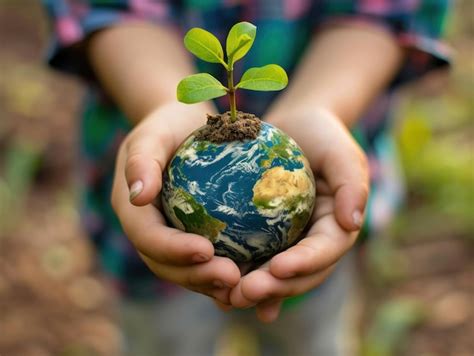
{"points": [[182, 258], [342, 188]]}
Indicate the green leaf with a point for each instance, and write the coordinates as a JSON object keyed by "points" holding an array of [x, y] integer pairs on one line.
{"points": [[266, 78], [239, 41], [199, 87], [243, 41], [204, 45]]}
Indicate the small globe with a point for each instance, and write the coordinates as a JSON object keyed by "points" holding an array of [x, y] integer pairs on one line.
{"points": [[251, 199]]}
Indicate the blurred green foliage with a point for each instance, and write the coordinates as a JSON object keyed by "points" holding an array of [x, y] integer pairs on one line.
{"points": [[435, 136], [21, 162], [436, 146], [392, 323], [436, 139]]}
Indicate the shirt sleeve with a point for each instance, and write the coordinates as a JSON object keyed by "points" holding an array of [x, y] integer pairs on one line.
{"points": [[417, 25], [73, 21]]}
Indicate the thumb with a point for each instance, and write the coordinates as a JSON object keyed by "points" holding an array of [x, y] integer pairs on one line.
{"points": [[152, 143], [346, 171], [143, 170]]}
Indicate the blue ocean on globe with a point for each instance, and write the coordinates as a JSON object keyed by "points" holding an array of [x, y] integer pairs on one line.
{"points": [[251, 198]]}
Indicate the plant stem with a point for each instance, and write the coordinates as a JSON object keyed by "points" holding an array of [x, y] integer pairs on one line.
{"points": [[233, 107]]}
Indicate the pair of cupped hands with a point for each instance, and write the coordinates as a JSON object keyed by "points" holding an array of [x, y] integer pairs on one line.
{"points": [[186, 259]]}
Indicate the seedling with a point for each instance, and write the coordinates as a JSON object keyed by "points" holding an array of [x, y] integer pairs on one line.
{"points": [[203, 86]]}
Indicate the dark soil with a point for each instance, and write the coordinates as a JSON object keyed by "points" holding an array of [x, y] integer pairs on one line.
{"points": [[220, 128]]}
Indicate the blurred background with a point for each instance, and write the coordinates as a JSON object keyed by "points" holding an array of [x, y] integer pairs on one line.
{"points": [[417, 277]]}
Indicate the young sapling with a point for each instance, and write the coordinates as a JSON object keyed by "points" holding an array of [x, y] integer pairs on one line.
{"points": [[203, 86]]}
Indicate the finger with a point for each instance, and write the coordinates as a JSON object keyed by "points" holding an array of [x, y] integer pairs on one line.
{"points": [[269, 311], [220, 295], [323, 189], [259, 286], [200, 278], [144, 166], [222, 306], [171, 246], [240, 300], [219, 272], [333, 153], [325, 244], [345, 168], [145, 227]]}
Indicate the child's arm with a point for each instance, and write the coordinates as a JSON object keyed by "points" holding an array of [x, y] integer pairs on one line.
{"points": [[344, 69], [140, 65], [342, 72]]}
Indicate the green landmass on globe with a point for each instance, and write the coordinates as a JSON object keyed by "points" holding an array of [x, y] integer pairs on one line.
{"points": [[196, 219]]}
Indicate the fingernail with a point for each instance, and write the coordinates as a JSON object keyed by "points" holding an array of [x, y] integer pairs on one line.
{"points": [[135, 189], [200, 257], [357, 218]]}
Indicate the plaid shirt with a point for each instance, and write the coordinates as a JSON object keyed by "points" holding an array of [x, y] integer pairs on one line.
{"points": [[284, 28]]}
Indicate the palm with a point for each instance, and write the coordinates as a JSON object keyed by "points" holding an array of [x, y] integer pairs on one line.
{"points": [[341, 196], [182, 258]]}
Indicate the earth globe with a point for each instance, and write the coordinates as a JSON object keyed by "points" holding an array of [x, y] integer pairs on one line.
{"points": [[251, 198]]}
